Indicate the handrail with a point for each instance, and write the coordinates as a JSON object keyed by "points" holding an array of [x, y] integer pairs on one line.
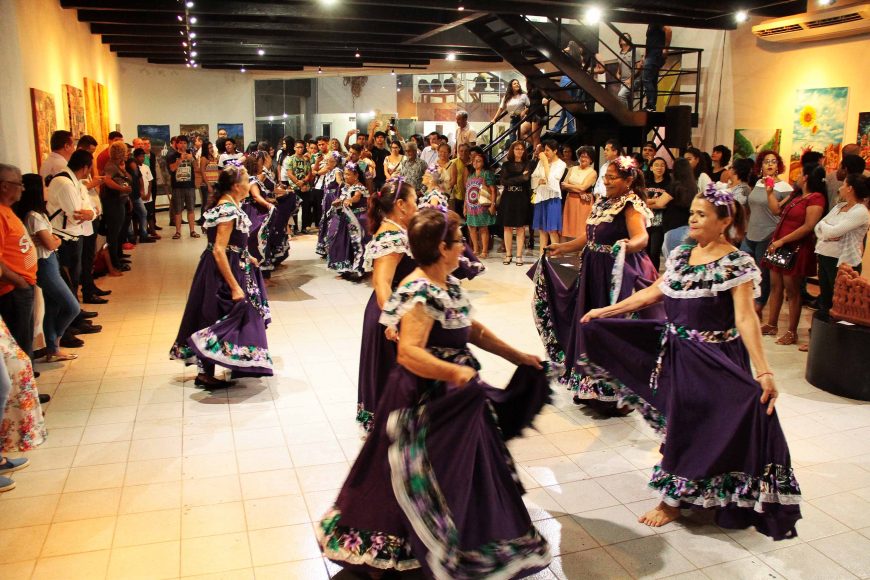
{"points": [[490, 125]]}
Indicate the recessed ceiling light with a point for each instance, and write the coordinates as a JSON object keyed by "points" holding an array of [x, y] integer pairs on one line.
{"points": [[393, 72], [183, 43], [461, 8], [329, 2], [193, 53], [825, 2], [181, 32], [243, 70], [319, 70], [189, 4], [193, 35], [180, 18], [741, 16], [193, 19], [188, 65], [356, 55], [451, 56], [592, 15], [261, 52], [192, 44]]}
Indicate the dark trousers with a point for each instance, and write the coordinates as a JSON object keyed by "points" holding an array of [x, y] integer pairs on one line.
{"points": [[113, 216], [757, 250], [315, 207], [309, 208], [89, 252], [650, 78], [127, 227], [70, 257], [16, 308], [654, 247]]}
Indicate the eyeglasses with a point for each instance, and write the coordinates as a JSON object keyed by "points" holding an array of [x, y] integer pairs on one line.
{"points": [[770, 162], [460, 240], [16, 183], [612, 177]]}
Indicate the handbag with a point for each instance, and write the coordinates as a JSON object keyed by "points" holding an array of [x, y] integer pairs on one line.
{"points": [[783, 258]]}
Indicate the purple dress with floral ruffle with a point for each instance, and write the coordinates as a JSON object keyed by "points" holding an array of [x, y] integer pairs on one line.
{"points": [[608, 274], [215, 330], [331, 191], [689, 376], [434, 485], [347, 233]]}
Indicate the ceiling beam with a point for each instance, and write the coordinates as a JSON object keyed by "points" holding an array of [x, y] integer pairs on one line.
{"points": [[236, 49], [286, 31]]}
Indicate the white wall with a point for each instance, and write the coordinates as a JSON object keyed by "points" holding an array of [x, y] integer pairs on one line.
{"points": [[172, 95], [378, 95], [57, 50]]}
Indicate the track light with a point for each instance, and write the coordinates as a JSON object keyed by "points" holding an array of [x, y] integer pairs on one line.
{"points": [[319, 70], [741, 16], [193, 19], [451, 56], [193, 53], [193, 35], [393, 72], [357, 54], [180, 18], [189, 4], [592, 15], [243, 70], [261, 52]]}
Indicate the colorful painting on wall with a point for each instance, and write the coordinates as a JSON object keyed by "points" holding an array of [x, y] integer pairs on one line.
{"points": [[192, 130], [97, 110], [44, 123], [236, 132], [74, 110], [864, 135], [819, 125], [748, 143], [158, 134]]}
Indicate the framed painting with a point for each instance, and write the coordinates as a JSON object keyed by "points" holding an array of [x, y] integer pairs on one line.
{"points": [[44, 123], [748, 143], [74, 110], [864, 135], [192, 130], [236, 132], [96, 110], [819, 125], [158, 134]]}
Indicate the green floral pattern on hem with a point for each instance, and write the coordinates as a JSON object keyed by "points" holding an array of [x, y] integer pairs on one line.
{"points": [[363, 547]]}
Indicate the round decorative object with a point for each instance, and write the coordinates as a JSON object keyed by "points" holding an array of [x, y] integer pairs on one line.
{"points": [[423, 86], [435, 86], [473, 195]]}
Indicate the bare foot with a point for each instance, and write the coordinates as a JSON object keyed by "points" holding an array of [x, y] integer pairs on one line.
{"points": [[660, 515]]}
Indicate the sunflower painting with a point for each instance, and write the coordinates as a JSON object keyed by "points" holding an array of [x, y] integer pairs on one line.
{"points": [[819, 125]]}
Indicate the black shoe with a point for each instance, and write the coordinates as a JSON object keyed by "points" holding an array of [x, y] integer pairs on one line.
{"points": [[184, 223], [94, 300], [70, 341], [43, 398], [97, 292], [85, 314], [123, 255], [124, 268], [85, 329], [211, 383], [158, 228], [147, 241], [38, 353]]}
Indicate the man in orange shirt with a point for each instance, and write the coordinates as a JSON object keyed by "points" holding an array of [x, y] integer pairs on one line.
{"points": [[17, 261]]}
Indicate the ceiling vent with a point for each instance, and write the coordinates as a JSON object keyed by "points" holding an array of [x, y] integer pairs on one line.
{"points": [[835, 22]]}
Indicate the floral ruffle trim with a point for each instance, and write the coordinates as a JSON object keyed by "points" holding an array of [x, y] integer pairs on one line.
{"points": [[776, 485], [606, 382], [449, 307], [385, 243], [543, 317], [22, 425], [420, 497], [605, 209], [683, 280], [362, 547], [226, 212], [618, 269], [230, 355], [365, 418], [183, 353], [353, 266], [263, 232], [471, 267], [433, 198]]}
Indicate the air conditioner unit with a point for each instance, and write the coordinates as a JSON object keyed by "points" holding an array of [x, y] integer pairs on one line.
{"points": [[834, 22]]}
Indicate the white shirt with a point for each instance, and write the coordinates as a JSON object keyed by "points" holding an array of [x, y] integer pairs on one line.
{"points": [[35, 221], [841, 234], [599, 188], [53, 164], [553, 187], [147, 178], [222, 160], [63, 198], [465, 136], [429, 155]]}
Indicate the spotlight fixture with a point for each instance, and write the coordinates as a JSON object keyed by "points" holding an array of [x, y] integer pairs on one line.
{"points": [[189, 4], [183, 43], [193, 35], [242, 70], [193, 53], [393, 72], [193, 19], [261, 52], [180, 19], [451, 56], [181, 32], [329, 3], [319, 70], [357, 54], [741, 16], [461, 8], [285, 115], [192, 44], [825, 2], [592, 15], [188, 65]]}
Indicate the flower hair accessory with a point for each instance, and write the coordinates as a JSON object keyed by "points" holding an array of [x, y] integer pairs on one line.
{"points": [[351, 165], [626, 163], [432, 169], [397, 181], [720, 197]]}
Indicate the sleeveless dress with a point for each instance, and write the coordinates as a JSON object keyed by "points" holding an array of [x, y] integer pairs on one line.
{"points": [[575, 210], [347, 233], [434, 485], [22, 426], [793, 216], [331, 190], [377, 354], [214, 329], [479, 215], [607, 275], [689, 375]]}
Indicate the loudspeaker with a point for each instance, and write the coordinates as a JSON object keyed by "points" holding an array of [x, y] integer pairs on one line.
{"points": [[678, 128]]}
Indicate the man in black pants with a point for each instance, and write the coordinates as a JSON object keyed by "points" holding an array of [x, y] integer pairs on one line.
{"points": [[379, 153]]}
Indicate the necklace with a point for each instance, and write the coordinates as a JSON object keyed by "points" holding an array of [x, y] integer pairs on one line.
{"points": [[402, 229]]}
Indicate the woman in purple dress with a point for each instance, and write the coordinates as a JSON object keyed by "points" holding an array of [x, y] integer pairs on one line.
{"points": [[329, 180], [388, 258], [434, 486], [690, 376], [257, 206], [224, 321], [347, 233], [613, 266]]}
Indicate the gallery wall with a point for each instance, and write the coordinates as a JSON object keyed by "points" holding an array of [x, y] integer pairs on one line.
{"points": [[174, 95], [45, 47]]}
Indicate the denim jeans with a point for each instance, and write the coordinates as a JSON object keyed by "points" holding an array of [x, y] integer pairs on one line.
{"points": [[113, 217], [89, 250], [673, 239], [756, 250], [650, 78], [69, 260], [16, 309], [140, 215], [5, 386], [564, 116], [61, 307]]}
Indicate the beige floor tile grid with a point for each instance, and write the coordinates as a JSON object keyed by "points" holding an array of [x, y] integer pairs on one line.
{"points": [[145, 476]]}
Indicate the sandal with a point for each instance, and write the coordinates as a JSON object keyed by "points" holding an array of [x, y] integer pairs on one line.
{"points": [[520, 261], [804, 347], [787, 339], [194, 235], [768, 330], [60, 357], [507, 260], [176, 236]]}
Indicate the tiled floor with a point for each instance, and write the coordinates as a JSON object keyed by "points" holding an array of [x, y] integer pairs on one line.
{"points": [[145, 476]]}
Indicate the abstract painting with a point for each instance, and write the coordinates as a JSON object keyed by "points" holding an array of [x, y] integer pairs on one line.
{"points": [[864, 135], [97, 110], [44, 123], [74, 110], [750, 142], [192, 130], [819, 125], [236, 132], [158, 134]]}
